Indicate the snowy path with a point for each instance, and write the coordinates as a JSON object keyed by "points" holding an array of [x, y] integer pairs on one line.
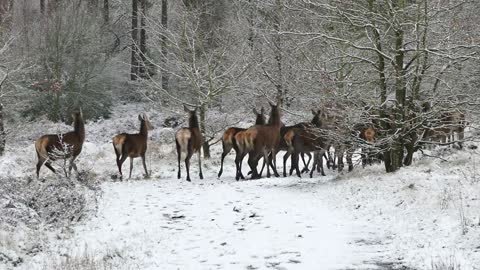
{"points": [[171, 224]]}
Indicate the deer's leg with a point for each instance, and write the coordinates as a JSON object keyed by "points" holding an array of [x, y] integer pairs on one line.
{"points": [[187, 163], [179, 154], [273, 156], [226, 150], [364, 157], [72, 165], [266, 157], [295, 163], [120, 163], [144, 165], [329, 159], [315, 163], [263, 165], [460, 136], [349, 159], [305, 168], [40, 162], [285, 157], [131, 167], [238, 161], [252, 163], [200, 164], [241, 165], [320, 154]]}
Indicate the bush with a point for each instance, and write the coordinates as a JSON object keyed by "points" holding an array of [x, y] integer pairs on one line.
{"points": [[69, 61]]}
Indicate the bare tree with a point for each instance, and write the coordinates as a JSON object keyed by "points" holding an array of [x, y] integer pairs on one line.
{"points": [[134, 63], [164, 52]]}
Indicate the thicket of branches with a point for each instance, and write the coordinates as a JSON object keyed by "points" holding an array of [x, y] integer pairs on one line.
{"points": [[370, 61]]}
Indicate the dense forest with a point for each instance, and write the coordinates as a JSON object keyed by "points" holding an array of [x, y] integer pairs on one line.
{"points": [[345, 57], [389, 83]]}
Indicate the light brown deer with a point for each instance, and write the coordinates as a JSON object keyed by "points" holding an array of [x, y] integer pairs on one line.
{"points": [[228, 137], [189, 140], [61, 146], [132, 145]]}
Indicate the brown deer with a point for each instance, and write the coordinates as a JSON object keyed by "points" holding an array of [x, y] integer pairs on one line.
{"points": [[229, 136], [189, 140], [132, 145], [61, 146], [286, 134], [256, 141], [307, 138], [264, 140]]}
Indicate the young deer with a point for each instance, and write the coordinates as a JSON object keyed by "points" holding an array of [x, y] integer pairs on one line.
{"points": [[61, 146], [286, 134], [189, 140], [229, 136], [132, 145], [307, 138]]}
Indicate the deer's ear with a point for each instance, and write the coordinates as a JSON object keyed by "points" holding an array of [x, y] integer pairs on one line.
{"points": [[262, 110], [319, 112], [279, 100], [140, 117], [185, 108], [255, 111], [314, 112]]}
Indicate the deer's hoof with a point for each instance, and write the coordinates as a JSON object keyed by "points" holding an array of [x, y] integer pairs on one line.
{"points": [[188, 179]]}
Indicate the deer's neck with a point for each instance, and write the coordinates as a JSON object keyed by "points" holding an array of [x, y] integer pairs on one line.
{"points": [[260, 120], [193, 122], [143, 129], [274, 119], [79, 128]]}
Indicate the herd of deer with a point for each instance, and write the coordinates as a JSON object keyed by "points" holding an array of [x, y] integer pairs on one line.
{"points": [[262, 140]]}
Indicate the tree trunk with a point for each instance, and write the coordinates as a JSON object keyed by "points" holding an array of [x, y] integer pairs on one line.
{"points": [[250, 19], [134, 60], [2, 131], [164, 45], [206, 146], [42, 7], [397, 149], [106, 12], [143, 39], [277, 43]]}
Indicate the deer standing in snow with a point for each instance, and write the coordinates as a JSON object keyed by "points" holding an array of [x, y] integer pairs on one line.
{"points": [[228, 138], [189, 140], [51, 147], [132, 145]]}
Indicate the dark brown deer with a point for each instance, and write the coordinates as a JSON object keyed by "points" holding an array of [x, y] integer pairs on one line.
{"points": [[61, 146], [285, 133], [229, 136], [189, 140], [307, 138], [132, 145], [263, 140]]}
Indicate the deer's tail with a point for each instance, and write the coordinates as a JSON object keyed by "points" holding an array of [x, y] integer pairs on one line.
{"points": [[288, 137], [118, 142], [40, 148]]}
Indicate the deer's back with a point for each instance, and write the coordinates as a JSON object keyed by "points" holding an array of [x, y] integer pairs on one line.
{"points": [[135, 144]]}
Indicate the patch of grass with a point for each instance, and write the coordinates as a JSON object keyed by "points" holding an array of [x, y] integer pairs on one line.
{"points": [[450, 263]]}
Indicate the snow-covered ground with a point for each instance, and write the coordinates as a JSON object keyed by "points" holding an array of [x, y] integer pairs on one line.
{"points": [[422, 217]]}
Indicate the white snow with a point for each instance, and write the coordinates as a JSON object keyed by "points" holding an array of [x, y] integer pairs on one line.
{"points": [[420, 216]]}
